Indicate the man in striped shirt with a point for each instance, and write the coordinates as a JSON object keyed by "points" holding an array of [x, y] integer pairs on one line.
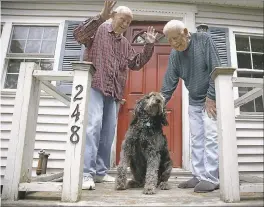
{"points": [[193, 57], [112, 55]]}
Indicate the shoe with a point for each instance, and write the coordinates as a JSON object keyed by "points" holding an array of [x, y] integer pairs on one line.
{"points": [[105, 178], [88, 183], [205, 187], [189, 183]]}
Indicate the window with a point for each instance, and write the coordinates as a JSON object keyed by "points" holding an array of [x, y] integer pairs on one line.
{"points": [[140, 38], [30, 44], [250, 56]]}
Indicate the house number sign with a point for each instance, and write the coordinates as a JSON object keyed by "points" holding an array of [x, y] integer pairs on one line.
{"points": [[74, 138]]}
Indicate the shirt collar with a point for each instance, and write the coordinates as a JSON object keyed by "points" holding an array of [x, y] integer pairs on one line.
{"points": [[110, 30]]}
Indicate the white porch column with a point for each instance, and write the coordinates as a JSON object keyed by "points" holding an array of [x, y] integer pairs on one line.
{"points": [[22, 139], [228, 161], [73, 170]]}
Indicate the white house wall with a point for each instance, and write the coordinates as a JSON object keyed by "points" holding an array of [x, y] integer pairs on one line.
{"points": [[51, 131], [53, 115], [229, 17]]}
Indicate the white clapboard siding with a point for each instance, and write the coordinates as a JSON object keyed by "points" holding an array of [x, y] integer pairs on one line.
{"points": [[51, 131], [226, 16], [250, 144]]}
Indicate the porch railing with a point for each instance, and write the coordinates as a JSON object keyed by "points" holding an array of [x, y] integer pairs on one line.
{"points": [[21, 145], [230, 187]]}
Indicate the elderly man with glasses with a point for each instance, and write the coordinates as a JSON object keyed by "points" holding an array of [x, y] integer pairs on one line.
{"points": [[193, 58]]}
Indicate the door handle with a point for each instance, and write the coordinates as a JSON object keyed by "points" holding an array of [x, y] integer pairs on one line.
{"points": [[123, 101]]}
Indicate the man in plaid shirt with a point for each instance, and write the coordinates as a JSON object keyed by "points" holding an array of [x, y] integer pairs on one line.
{"points": [[112, 55]]}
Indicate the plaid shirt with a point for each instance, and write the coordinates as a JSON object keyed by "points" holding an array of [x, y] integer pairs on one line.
{"points": [[111, 55]]}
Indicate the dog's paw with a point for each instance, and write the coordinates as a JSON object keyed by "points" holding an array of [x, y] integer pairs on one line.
{"points": [[120, 186], [164, 186], [149, 190]]}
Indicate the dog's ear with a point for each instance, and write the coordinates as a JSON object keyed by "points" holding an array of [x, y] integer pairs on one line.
{"points": [[164, 120], [136, 111]]}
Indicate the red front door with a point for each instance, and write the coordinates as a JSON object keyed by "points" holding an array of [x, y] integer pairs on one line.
{"points": [[148, 79]]}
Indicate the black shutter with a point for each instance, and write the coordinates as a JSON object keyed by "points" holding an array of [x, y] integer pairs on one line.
{"points": [[71, 50], [221, 39]]}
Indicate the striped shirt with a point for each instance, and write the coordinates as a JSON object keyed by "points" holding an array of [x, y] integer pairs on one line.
{"points": [[111, 55], [194, 66]]}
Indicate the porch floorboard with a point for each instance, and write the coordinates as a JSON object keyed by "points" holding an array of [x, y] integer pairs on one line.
{"points": [[105, 195]]}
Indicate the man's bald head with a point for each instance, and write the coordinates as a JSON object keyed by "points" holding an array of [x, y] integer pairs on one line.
{"points": [[177, 34], [173, 25]]}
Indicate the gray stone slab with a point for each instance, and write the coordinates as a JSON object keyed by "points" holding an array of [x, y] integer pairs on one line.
{"points": [[105, 195]]}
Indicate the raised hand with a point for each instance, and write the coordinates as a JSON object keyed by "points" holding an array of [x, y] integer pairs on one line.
{"points": [[107, 10], [151, 35]]}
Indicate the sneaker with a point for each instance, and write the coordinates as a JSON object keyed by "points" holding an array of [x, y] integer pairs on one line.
{"points": [[105, 178], [189, 183], [205, 187], [88, 183]]}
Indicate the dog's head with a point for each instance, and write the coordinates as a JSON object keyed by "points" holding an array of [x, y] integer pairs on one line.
{"points": [[152, 105]]}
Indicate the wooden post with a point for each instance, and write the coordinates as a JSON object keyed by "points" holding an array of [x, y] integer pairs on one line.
{"points": [[228, 158], [22, 139], [73, 170]]}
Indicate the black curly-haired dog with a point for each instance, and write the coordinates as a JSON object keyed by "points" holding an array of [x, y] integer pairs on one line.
{"points": [[145, 148]]}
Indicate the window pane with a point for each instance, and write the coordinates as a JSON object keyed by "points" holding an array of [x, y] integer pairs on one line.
{"points": [[258, 75], [33, 46], [48, 47], [11, 81], [256, 44], [163, 40], [139, 40], [20, 32], [28, 39], [35, 33], [244, 74], [242, 43], [17, 46], [248, 107], [46, 65], [13, 66], [259, 104], [50, 33], [258, 61], [244, 60]]}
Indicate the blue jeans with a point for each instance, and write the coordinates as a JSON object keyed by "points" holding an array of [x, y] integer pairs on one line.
{"points": [[204, 145], [100, 132]]}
